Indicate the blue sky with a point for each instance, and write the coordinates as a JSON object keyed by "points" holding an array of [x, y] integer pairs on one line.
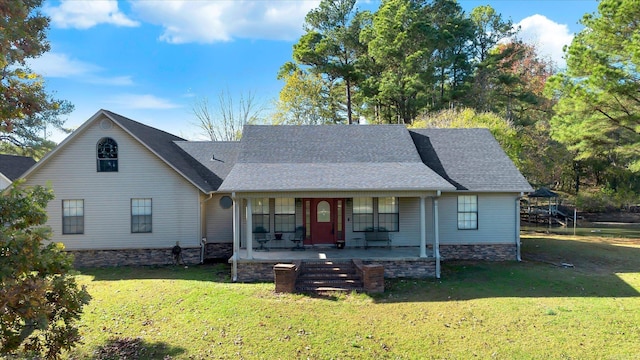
{"points": [[150, 60]]}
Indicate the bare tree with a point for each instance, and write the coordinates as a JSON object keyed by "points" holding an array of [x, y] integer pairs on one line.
{"points": [[225, 122]]}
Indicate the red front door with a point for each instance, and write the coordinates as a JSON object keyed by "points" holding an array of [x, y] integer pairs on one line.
{"points": [[326, 219]]}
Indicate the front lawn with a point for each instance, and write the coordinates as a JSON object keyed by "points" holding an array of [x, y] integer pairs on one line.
{"points": [[533, 309]]}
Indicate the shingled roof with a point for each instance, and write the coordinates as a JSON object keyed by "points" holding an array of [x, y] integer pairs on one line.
{"points": [[470, 159], [324, 158], [12, 166]]}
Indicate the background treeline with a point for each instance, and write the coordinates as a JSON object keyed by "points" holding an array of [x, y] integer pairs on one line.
{"points": [[430, 64]]}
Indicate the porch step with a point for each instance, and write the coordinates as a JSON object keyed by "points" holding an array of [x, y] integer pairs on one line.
{"points": [[328, 276]]}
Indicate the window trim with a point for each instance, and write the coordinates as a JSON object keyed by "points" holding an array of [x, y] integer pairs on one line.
{"points": [[353, 216], [138, 223], [100, 160], [254, 213], [460, 212], [397, 214], [290, 216], [64, 217]]}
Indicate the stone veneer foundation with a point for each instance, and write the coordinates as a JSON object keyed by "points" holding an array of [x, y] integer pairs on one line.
{"points": [[218, 251], [491, 252], [129, 257], [262, 270]]}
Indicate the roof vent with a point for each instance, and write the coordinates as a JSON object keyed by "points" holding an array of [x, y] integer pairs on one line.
{"points": [[106, 124]]}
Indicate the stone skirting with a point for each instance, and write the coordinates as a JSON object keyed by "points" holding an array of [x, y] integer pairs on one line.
{"points": [[407, 268], [491, 252], [218, 251], [135, 257], [256, 271]]}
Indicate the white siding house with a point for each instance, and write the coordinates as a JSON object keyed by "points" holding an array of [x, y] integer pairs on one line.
{"points": [[126, 193]]}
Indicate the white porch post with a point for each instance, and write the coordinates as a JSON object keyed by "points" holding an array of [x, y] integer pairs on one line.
{"points": [[423, 228], [518, 258], [436, 242], [249, 228], [236, 237]]}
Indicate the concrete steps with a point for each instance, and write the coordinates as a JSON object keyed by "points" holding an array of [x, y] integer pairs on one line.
{"points": [[328, 276]]}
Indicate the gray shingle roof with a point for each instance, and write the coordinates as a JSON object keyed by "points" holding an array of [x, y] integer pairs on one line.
{"points": [[164, 144], [323, 158], [12, 166], [470, 159], [218, 156]]}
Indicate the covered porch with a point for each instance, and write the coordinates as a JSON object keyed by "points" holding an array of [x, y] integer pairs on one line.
{"points": [[355, 222]]}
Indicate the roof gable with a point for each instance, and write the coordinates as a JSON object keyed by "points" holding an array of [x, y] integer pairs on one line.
{"points": [[330, 158], [12, 166]]}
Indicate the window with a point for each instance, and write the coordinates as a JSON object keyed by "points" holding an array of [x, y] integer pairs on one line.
{"points": [[73, 216], [467, 212], [388, 217], [285, 216], [107, 154], [362, 214], [260, 215], [141, 215]]}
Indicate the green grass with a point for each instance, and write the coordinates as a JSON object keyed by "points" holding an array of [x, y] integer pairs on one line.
{"points": [[533, 309]]}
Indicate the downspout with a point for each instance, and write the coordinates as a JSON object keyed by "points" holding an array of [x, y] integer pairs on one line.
{"points": [[518, 257], [234, 257], [203, 228], [436, 242]]}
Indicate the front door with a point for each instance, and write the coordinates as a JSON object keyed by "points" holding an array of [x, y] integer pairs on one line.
{"points": [[323, 221]]}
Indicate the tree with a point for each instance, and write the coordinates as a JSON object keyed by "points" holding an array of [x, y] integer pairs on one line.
{"points": [[597, 115], [331, 44], [502, 129], [226, 121], [40, 301], [301, 100], [400, 44], [490, 29], [26, 110]]}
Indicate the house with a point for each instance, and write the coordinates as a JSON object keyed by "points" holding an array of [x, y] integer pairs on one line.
{"points": [[11, 167], [127, 192]]}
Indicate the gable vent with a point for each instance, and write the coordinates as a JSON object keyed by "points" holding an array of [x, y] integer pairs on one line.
{"points": [[106, 124]]}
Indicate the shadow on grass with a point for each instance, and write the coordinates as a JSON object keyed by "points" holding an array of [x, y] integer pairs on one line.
{"points": [[134, 348], [216, 272], [591, 270]]}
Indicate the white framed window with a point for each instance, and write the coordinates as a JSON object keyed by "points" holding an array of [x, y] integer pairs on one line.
{"points": [[467, 212], [388, 214], [73, 216], [285, 215], [107, 155], [363, 214], [141, 215], [260, 215]]}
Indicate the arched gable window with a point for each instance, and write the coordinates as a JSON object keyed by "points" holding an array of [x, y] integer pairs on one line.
{"points": [[107, 153]]}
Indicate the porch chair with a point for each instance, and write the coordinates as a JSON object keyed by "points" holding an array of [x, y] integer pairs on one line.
{"points": [[298, 238], [262, 239]]}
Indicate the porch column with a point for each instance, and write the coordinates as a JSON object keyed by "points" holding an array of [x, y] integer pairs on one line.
{"points": [[236, 237], [518, 258], [436, 230], [423, 228], [249, 228]]}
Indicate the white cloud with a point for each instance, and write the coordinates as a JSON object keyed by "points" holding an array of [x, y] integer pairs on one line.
{"points": [[187, 21], [58, 65], [141, 101], [84, 14], [548, 36]]}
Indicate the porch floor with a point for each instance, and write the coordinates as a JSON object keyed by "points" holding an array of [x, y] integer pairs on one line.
{"points": [[328, 253]]}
